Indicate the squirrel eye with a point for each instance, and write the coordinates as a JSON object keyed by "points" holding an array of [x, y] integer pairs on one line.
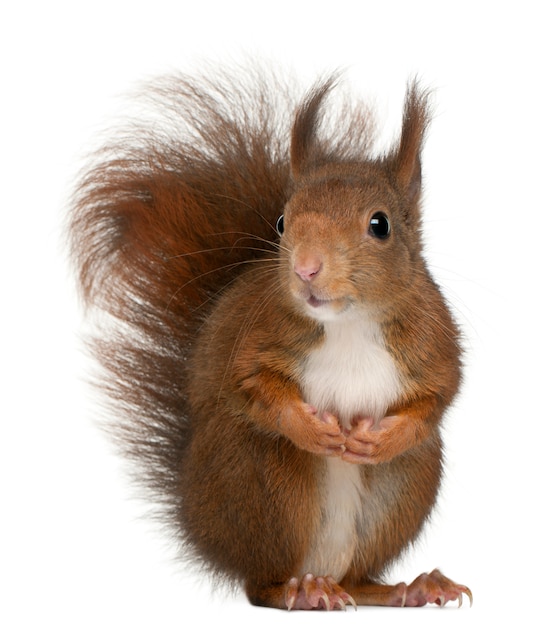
{"points": [[279, 225], [379, 226]]}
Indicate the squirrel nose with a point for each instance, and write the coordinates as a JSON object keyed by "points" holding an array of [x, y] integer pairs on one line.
{"points": [[308, 268]]}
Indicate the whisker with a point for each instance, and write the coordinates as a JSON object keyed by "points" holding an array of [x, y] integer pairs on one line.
{"points": [[212, 271], [249, 206], [215, 295], [275, 244], [253, 209], [219, 249]]}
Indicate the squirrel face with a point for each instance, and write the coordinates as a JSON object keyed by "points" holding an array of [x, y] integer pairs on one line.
{"points": [[346, 247]]}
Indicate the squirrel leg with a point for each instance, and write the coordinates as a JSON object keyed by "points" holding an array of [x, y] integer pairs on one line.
{"points": [[307, 593], [433, 588], [276, 405]]}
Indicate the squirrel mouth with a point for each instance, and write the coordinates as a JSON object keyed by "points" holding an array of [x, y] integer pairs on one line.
{"points": [[316, 302]]}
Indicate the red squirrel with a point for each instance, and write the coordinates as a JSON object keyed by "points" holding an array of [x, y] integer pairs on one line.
{"points": [[276, 351]]}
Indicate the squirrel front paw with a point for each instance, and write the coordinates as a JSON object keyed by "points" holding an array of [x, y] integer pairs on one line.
{"points": [[371, 443], [319, 434]]}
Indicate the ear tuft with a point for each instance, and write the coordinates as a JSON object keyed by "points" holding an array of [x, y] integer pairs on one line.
{"points": [[406, 158], [305, 149]]}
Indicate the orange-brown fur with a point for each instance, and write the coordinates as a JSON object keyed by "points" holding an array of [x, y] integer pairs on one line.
{"points": [[174, 238]]}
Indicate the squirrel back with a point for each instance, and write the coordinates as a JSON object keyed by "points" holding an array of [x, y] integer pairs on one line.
{"points": [[276, 352]]}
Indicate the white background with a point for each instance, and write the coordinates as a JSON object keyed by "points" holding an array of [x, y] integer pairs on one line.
{"points": [[73, 549]]}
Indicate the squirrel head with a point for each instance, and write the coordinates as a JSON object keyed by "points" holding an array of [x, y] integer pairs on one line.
{"points": [[351, 229]]}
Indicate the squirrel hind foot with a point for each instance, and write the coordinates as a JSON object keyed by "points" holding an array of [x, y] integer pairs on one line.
{"points": [[435, 588], [311, 592], [432, 588], [306, 593]]}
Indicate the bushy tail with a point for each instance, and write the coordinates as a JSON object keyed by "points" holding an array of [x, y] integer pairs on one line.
{"points": [[166, 217]]}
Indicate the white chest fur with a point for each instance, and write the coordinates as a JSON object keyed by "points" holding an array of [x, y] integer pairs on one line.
{"points": [[350, 374]]}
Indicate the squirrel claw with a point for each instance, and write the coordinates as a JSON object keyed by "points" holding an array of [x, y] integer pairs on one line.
{"points": [[403, 599], [434, 588], [291, 593], [316, 592], [467, 592]]}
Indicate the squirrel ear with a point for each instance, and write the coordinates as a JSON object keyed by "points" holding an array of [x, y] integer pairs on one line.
{"points": [[305, 148], [405, 158]]}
